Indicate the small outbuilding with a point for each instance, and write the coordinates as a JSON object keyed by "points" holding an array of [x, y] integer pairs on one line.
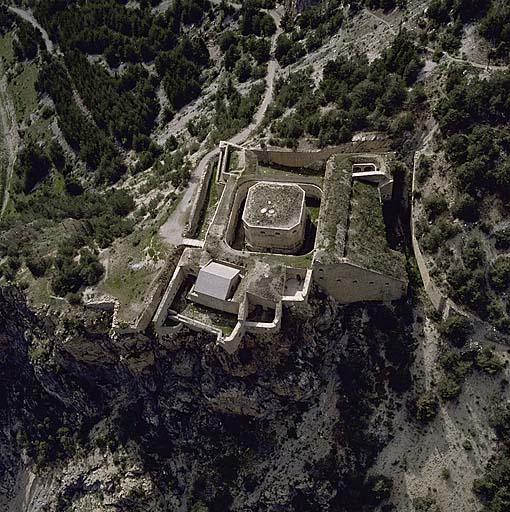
{"points": [[215, 285]]}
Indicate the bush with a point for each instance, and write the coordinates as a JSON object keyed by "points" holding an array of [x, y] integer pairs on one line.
{"points": [[69, 275], [435, 205], [466, 208], [473, 254], [38, 265], [426, 407], [378, 488], [425, 504], [448, 388], [441, 231], [499, 274], [502, 238], [456, 329], [424, 170], [488, 361], [32, 166]]}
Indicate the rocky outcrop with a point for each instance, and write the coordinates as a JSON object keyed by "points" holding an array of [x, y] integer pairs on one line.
{"points": [[130, 423]]}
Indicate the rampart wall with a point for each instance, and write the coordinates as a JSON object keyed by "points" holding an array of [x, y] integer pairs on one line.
{"points": [[348, 283], [169, 296], [286, 158], [228, 306], [199, 202]]}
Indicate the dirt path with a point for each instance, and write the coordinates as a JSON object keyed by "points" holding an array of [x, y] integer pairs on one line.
{"points": [[172, 229], [10, 140], [28, 16]]}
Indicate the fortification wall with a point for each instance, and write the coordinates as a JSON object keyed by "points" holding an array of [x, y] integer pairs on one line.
{"points": [[348, 283], [265, 327], [294, 158], [386, 190], [301, 296], [286, 158], [439, 301], [169, 296], [228, 306], [436, 297], [199, 202]]}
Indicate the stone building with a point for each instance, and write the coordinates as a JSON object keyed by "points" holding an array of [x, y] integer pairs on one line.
{"points": [[274, 217], [309, 219], [215, 286]]}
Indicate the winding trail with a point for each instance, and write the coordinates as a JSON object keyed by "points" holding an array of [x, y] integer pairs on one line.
{"points": [[10, 141], [28, 16], [171, 230], [8, 124], [449, 57]]}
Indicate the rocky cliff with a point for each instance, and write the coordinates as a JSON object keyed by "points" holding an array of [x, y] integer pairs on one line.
{"points": [[288, 423]]}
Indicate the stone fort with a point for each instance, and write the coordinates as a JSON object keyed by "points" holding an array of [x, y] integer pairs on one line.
{"points": [[282, 223]]}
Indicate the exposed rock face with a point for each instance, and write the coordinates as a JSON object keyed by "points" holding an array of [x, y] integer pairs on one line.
{"points": [[91, 423]]}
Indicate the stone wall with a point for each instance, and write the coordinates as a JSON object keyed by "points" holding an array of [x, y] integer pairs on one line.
{"points": [[197, 208], [228, 306], [301, 296], [286, 158], [348, 283], [265, 327], [294, 158], [169, 296]]}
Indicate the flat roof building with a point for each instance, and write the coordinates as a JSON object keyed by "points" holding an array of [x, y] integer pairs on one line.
{"points": [[217, 280], [274, 217], [215, 286]]}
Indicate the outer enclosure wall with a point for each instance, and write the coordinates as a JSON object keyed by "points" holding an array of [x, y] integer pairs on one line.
{"points": [[212, 302], [169, 296], [349, 283], [306, 158], [199, 202]]}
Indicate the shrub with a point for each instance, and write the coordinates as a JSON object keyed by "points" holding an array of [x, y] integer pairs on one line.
{"points": [[456, 329], [435, 205], [379, 488], [425, 504], [426, 407], [502, 238], [467, 445], [466, 208], [499, 274], [38, 265], [441, 231], [445, 473], [488, 361], [473, 254], [424, 170], [448, 388]]}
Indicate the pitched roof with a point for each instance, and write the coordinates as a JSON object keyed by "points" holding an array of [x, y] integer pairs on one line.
{"points": [[215, 279]]}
